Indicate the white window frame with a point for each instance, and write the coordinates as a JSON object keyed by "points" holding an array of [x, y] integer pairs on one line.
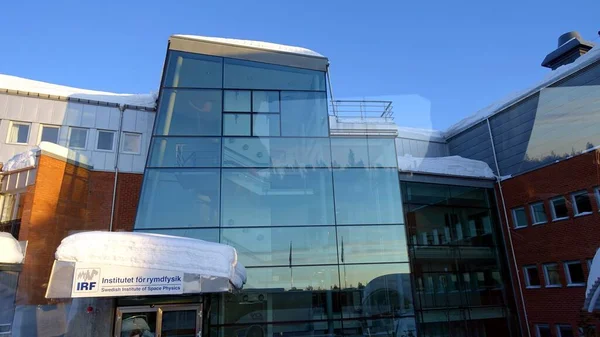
{"points": [[42, 126], [514, 215], [10, 126], [568, 274], [526, 276], [87, 135], [597, 195], [547, 279], [122, 141], [575, 210], [537, 329], [558, 326], [112, 149], [533, 217], [553, 212]]}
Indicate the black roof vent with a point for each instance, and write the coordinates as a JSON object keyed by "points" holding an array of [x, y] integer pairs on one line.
{"points": [[570, 47]]}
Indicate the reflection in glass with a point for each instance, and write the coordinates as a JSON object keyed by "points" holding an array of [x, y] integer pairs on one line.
{"points": [[316, 328], [361, 244], [236, 124], [367, 196], [295, 278], [276, 197], [206, 234], [179, 198], [304, 114], [282, 246], [387, 326], [236, 100], [185, 152], [189, 113], [142, 322], [382, 152], [179, 323], [276, 152], [265, 101], [349, 152], [265, 125], [240, 74], [187, 70]]}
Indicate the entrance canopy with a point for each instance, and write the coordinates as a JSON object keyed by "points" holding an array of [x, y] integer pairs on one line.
{"points": [[592, 291], [113, 264]]}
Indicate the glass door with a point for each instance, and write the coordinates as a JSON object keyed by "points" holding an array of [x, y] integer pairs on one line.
{"points": [[159, 321]]}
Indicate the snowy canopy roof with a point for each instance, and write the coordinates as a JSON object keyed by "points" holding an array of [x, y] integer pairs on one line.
{"points": [[10, 249], [255, 44], [592, 291], [9, 82], [453, 165]]}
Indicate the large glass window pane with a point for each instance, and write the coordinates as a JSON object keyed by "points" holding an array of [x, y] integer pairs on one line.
{"points": [[295, 278], [282, 246], [425, 194], [304, 114], [265, 101], [189, 113], [185, 152], [236, 124], [179, 198], [265, 125], [362, 244], [206, 234], [186, 70], [303, 327], [276, 152], [349, 152], [367, 196], [276, 197], [236, 100], [382, 152], [240, 74]]}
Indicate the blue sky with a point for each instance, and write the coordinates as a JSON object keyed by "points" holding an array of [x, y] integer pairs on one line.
{"points": [[439, 60]]}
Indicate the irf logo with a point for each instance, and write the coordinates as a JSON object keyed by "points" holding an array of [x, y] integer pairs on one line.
{"points": [[87, 279]]}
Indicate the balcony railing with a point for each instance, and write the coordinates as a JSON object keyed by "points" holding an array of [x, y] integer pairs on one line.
{"points": [[11, 226], [362, 109]]}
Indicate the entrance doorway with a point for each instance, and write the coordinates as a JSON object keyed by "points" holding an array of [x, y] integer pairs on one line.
{"points": [[159, 321]]}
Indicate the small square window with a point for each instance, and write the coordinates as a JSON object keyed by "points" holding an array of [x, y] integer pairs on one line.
{"points": [[236, 101], [532, 278], [552, 275], [18, 133], [105, 140], [519, 217], [265, 101], [564, 330], [559, 209], [265, 125], [538, 213], [542, 330], [49, 133], [574, 272], [132, 143], [78, 138], [236, 124], [581, 203]]}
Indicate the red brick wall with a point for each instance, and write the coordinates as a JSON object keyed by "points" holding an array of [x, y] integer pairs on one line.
{"points": [[64, 199], [576, 238]]}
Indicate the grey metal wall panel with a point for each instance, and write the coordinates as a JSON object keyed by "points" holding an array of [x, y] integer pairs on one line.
{"points": [[420, 148], [590, 76]]}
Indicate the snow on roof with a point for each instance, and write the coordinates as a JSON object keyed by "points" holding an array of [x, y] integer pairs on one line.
{"points": [[26, 85], [590, 57], [154, 251], [21, 160], [453, 165], [10, 249], [255, 44], [418, 133]]}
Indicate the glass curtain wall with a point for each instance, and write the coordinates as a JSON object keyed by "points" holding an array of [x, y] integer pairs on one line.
{"points": [[460, 284], [241, 155]]}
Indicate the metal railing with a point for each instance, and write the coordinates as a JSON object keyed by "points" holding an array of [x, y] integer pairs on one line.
{"points": [[362, 108], [11, 226]]}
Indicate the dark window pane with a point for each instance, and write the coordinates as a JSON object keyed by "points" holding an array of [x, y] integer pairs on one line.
{"points": [[468, 196], [304, 114], [559, 208], [381, 326], [144, 321], [552, 274], [519, 217], [428, 194], [533, 276], [236, 100], [575, 271], [206, 234], [565, 331], [189, 113], [307, 328], [185, 152], [277, 197], [186, 70], [265, 101], [367, 196], [276, 152], [50, 134], [349, 152], [265, 125], [360, 244], [105, 140], [543, 330], [538, 212], [582, 203], [236, 124], [179, 323], [254, 75], [282, 246], [179, 198], [310, 278]]}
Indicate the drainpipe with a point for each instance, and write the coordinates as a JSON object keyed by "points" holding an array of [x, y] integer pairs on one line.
{"points": [[512, 250], [118, 143]]}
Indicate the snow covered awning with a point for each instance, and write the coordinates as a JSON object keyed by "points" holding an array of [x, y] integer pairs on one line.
{"points": [[11, 251], [592, 291], [114, 264], [451, 166]]}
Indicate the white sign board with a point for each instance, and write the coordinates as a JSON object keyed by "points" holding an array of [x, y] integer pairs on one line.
{"points": [[97, 280]]}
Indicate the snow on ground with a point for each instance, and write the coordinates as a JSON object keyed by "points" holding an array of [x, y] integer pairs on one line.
{"points": [[154, 251], [31, 86], [10, 249], [21, 160], [254, 44], [453, 165]]}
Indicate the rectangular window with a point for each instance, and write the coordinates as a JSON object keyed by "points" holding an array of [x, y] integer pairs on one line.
{"points": [[581, 203], [372, 244], [185, 152], [265, 101], [564, 330], [538, 213], [49, 133], [519, 217], [265, 125], [131, 143], [542, 330], [532, 278], [236, 124], [18, 133], [185, 112], [188, 70], [304, 114], [106, 140], [574, 272], [552, 275], [78, 138], [236, 100], [559, 209]]}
